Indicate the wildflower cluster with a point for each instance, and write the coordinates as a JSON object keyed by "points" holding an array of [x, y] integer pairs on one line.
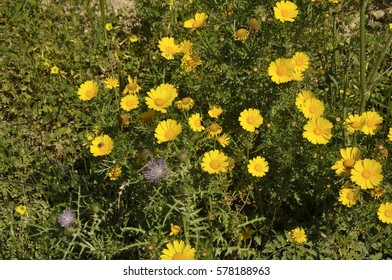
{"points": [[284, 70]]}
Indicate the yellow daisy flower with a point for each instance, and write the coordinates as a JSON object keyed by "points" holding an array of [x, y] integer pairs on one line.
{"points": [[301, 61], [168, 47], [167, 130], [101, 145], [298, 235], [186, 46], [350, 156], [373, 122], [133, 38], [196, 22], [185, 103], [312, 108], [241, 35], [132, 87], [21, 209], [390, 134], [348, 197], [285, 11], [214, 129], [111, 82], [194, 122], [385, 212], [215, 111], [281, 70], [302, 97], [88, 90], [114, 172], [54, 70], [108, 26], [174, 229], [190, 61], [162, 97], [367, 173], [129, 102], [178, 251], [246, 234], [258, 166], [354, 123], [224, 140], [214, 162], [318, 131], [250, 119]]}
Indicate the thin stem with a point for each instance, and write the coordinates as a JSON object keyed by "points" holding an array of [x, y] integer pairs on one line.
{"points": [[362, 62], [380, 57]]}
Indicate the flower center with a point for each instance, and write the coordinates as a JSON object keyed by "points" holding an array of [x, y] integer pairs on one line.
{"points": [[242, 34], [159, 102], [103, 148], [90, 93], [349, 163], [192, 62], [214, 127], [187, 48], [132, 86], [215, 164], [350, 196], [158, 172], [197, 123], [299, 61], [285, 13], [129, 103], [258, 167], [388, 213], [297, 236], [179, 256], [312, 110], [356, 125], [366, 174], [170, 134], [318, 131], [369, 123], [197, 24], [251, 120], [281, 71], [186, 101]]}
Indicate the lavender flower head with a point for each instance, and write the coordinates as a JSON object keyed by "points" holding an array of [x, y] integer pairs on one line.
{"points": [[67, 218], [156, 170]]}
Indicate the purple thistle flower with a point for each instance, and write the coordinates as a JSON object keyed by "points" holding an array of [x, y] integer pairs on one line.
{"points": [[156, 170], [67, 218]]}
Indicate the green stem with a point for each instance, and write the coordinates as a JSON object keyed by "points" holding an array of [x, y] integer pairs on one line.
{"points": [[380, 57], [362, 62], [185, 226], [334, 58]]}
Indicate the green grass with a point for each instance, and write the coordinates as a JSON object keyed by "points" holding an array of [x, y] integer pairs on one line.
{"points": [[46, 163]]}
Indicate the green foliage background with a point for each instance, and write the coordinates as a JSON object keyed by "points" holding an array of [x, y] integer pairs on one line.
{"points": [[45, 162]]}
